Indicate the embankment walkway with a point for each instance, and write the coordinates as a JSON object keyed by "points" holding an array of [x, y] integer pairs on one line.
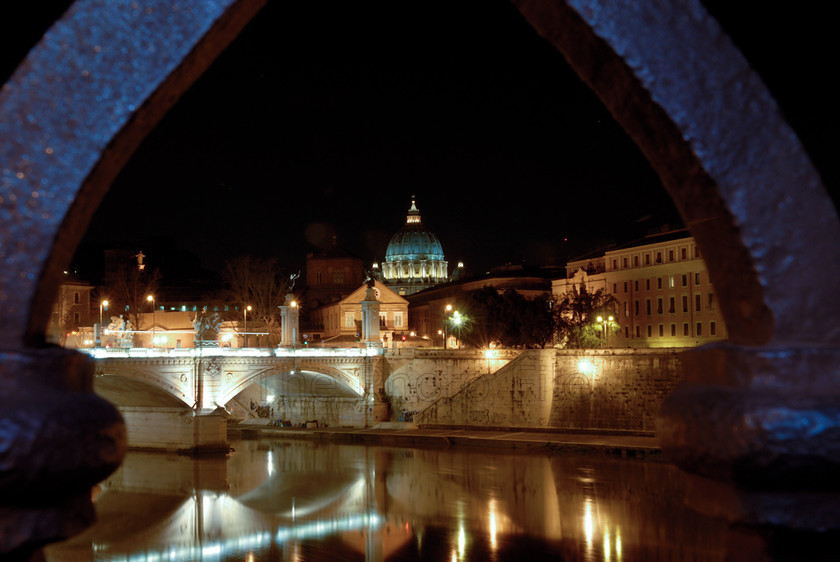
{"points": [[407, 435]]}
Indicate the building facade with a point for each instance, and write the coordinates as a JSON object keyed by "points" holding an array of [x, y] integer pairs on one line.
{"points": [[343, 319], [414, 259], [663, 292]]}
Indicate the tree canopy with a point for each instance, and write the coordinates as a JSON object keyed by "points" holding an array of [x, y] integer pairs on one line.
{"points": [[507, 319], [576, 317]]}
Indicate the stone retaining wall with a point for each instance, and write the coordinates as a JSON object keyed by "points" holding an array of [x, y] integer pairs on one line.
{"points": [[616, 390]]}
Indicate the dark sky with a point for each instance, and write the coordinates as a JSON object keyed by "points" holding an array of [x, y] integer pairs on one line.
{"points": [[326, 117]]}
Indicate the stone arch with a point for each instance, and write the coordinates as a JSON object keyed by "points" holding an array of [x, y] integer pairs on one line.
{"points": [[74, 112], [136, 388], [307, 372]]}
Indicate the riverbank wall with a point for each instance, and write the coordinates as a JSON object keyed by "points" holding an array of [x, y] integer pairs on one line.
{"points": [[618, 390]]}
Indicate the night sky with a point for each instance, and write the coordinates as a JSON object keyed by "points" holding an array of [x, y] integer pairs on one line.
{"points": [[326, 118]]}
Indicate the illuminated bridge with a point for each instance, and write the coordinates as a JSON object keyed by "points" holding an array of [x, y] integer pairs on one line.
{"points": [[180, 399]]}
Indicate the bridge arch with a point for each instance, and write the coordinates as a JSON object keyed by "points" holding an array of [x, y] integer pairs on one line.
{"points": [[126, 390], [126, 386], [737, 173], [311, 380]]}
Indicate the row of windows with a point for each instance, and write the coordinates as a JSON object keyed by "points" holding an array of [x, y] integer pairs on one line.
{"points": [[673, 332], [669, 281], [711, 303], [350, 319], [655, 258]]}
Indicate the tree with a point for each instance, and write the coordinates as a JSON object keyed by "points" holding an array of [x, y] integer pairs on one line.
{"points": [[508, 318], [576, 313], [261, 284], [126, 289]]}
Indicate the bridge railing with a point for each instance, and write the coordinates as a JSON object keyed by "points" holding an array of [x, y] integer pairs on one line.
{"points": [[189, 352]]}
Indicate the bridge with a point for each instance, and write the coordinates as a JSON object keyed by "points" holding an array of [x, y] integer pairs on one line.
{"points": [[181, 399]]}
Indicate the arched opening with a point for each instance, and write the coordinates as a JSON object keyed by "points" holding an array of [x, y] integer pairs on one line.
{"points": [[766, 248]]}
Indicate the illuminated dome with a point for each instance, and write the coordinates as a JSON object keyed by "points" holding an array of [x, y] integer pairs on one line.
{"points": [[414, 259]]}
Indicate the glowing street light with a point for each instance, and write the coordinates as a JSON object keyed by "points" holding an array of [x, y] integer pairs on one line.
{"points": [[604, 324], [247, 308], [151, 299], [102, 304]]}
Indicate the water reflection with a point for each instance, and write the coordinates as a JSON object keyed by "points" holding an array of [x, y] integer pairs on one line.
{"points": [[300, 500]]}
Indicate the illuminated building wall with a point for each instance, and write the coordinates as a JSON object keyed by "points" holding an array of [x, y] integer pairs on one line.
{"points": [[665, 297]]}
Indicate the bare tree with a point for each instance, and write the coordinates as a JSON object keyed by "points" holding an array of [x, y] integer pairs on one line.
{"points": [[261, 284], [126, 288]]}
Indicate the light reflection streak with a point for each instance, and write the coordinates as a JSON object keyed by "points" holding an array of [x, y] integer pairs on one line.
{"points": [[491, 508], [249, 543]]}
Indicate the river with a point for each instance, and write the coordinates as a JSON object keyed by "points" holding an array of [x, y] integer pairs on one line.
{"points": [[301, 500]]}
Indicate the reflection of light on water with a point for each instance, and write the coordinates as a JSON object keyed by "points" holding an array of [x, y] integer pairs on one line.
{"points": [[607, 549], [491, 508], [250, 557], [255, 541], [588, 525], [618, 543], [462, 540], [270, 463]]}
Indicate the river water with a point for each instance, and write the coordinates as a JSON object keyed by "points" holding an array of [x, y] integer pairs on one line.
{"points": [[301, 500]]}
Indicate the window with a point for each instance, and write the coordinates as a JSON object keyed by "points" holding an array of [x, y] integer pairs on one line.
{"points": [[624, 263], [615, 287], [697, 303], [76, 298], [383, 319], [349, 320], [650, 330], [682, 253], [636, 285], [647, 284], [636, 307], [711, 301], [684, 280], [670, 255], [615, 264], [685, 303], [696, 278], [712, 329], [398, 319], [699, 329], [670, 281], [658, 257], [625, 286], [672, 305], [685, 329], [626, 308], [673, 330], [318, 278], [661, 330], [626, 331], [638, 331], [635, 261], [659, 305], [647, 259], [647, 306], [338, 277], [76, 320], [696, 252]]}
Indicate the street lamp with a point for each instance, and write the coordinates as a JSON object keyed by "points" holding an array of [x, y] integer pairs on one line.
{"points": [[151, 299], [604, 324], [457, 320], [101, 305], [247, 308]]}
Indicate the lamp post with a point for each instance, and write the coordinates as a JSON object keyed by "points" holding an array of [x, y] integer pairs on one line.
{"points": [[151, 299], [604, 324], [446, 311], [457, 320], [245, 332], [102, 304]]}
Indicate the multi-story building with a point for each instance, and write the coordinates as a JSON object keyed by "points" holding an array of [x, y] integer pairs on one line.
{"points": [[663, 292]]}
